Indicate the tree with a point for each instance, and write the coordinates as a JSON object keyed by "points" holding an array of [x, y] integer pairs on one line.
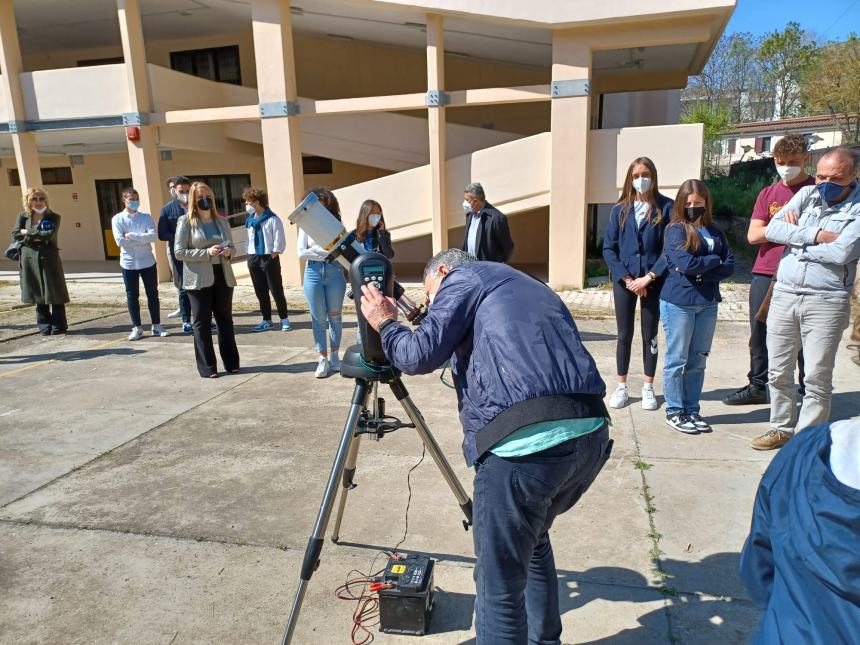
{"points": [[715, 120], [786, 58], [833, 86]]}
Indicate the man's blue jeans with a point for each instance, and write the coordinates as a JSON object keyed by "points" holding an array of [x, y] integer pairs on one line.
{"points": [[689, 333], [516, 500]]}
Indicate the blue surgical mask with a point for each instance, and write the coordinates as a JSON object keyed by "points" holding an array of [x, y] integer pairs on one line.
{"points": [[133, 204], [830, 191]]}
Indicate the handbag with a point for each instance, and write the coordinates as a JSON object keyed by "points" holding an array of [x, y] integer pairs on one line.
{"points": [[13, 252]]}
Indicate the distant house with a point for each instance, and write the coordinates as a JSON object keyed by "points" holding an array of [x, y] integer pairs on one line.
{"points": [[746, 141]]}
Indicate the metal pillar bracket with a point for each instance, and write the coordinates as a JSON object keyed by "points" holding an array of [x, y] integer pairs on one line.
{"points": [[436, 98], [278, 109], [19, 126], [566, 89], [135, 118]]}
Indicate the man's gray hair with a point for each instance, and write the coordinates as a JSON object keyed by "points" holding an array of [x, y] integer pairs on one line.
{"points": [[476, 190], [450, 258], [846, 154]]}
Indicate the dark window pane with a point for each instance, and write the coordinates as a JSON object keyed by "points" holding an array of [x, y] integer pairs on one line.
{"points": [[228, 65], [204, 64], [312, 165], [182, 62], [216, 64], [50, 176]]}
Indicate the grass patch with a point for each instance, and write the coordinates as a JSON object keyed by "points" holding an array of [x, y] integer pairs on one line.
{"points": [[641, 465]]}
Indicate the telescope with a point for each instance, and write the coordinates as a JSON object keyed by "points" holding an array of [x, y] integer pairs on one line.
{"points": [[368, 365]]}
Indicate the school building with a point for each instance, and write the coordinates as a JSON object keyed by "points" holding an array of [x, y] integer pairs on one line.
{"points": [[544, 102]]}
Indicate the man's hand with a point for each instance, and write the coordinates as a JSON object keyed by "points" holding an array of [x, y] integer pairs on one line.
{"points": [[639, 286], [826, 237], [791, 217], [376, 307]]}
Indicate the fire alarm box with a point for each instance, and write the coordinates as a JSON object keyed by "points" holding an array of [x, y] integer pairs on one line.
{"points": [[132, 133]]}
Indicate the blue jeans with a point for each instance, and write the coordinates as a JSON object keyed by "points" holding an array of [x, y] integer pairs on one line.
{"points": [[131, 278], [325, 288], [516, 500], [689, 332]]}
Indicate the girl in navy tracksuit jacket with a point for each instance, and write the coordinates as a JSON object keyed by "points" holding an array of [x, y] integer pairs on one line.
{"points": [[698, 257]]}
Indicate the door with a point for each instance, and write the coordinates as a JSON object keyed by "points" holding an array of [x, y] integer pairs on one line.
{"points": [[109, 196]]}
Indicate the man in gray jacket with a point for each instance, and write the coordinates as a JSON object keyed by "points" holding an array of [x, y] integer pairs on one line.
{"points": [[810, 307]]}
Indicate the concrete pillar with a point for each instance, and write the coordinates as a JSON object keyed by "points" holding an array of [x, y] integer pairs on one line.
{"points": [[570, 123], [24, 143], [143, 155], [272, 27], [436, 129]]}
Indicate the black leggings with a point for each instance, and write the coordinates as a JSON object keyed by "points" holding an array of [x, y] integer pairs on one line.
{"points": [[625, 317]]}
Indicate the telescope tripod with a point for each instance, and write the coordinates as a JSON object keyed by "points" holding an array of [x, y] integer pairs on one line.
{"points": [[361, 421]]}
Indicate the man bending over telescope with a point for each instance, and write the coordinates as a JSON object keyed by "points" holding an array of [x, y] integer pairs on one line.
{"points": [[536, 429]]}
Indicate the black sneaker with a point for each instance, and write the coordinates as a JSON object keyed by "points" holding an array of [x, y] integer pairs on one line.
{"points": [[699, 422], [681, 422], [747, 395]]}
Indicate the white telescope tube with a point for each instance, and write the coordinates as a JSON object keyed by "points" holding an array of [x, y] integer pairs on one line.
{"points": [[321, 226]]}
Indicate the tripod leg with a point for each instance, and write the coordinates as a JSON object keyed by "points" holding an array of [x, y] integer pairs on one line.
{"points": [[429, 440], [312, 552], [347, 485]]}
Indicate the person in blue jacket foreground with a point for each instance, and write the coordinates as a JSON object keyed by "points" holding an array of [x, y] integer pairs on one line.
{"points": [[633, 251], [698, 257], [535, 425], [801, 561]]}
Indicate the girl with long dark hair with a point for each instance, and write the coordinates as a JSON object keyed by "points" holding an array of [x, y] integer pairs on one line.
{"points": [[633, 251], [699, 257]]}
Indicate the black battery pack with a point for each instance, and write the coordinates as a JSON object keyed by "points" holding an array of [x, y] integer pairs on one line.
{"points": [[406, 607]]}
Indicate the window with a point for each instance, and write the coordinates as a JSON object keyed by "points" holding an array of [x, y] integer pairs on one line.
{"points": [[765, 144], [228, 195], [91, 62], [733, 146], [312, 165], [50, 176], [216, 64]]}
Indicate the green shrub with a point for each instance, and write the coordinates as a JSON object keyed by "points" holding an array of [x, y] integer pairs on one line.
{"points": [[735, 196]]}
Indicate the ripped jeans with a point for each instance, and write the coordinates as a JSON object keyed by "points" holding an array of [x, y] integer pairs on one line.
{"points": [[689, 332], [325, 287]]}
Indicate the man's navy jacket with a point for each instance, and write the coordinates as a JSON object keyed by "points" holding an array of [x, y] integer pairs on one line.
{"points": [[635, 250], [801, 562], [515, 352], [167, 219]]}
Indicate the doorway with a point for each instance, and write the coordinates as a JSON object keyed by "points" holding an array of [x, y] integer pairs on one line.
{"points": [[109, 196]]}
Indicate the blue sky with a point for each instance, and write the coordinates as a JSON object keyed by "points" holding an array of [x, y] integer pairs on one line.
{"points": [[832, 19]]}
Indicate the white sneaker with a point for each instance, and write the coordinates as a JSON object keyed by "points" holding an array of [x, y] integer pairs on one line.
{"points": [[322, 368], [136, 333], [158, 330], [649, 401], [334, 362], [174, 314], [619, 397]]}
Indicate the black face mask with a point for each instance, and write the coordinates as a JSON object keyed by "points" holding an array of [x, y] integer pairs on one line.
{"points": [[693, 213], [204, 204]]}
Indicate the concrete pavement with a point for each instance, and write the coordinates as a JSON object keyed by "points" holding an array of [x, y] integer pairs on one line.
{"points": [[141, 503]]}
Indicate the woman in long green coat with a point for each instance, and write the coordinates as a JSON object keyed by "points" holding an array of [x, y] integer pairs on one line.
{"points": [[43, 282]]}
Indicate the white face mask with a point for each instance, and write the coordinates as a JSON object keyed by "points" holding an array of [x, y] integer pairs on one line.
{"points": [[467, 206], [250, 209], [788, 173], [374, 219], [431, 297], [642, 184], [173, 193], [183, 198], [40, 210]]}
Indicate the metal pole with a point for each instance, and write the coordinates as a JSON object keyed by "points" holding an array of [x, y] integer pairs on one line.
{"points": [[435, 451], [315, 542]]}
